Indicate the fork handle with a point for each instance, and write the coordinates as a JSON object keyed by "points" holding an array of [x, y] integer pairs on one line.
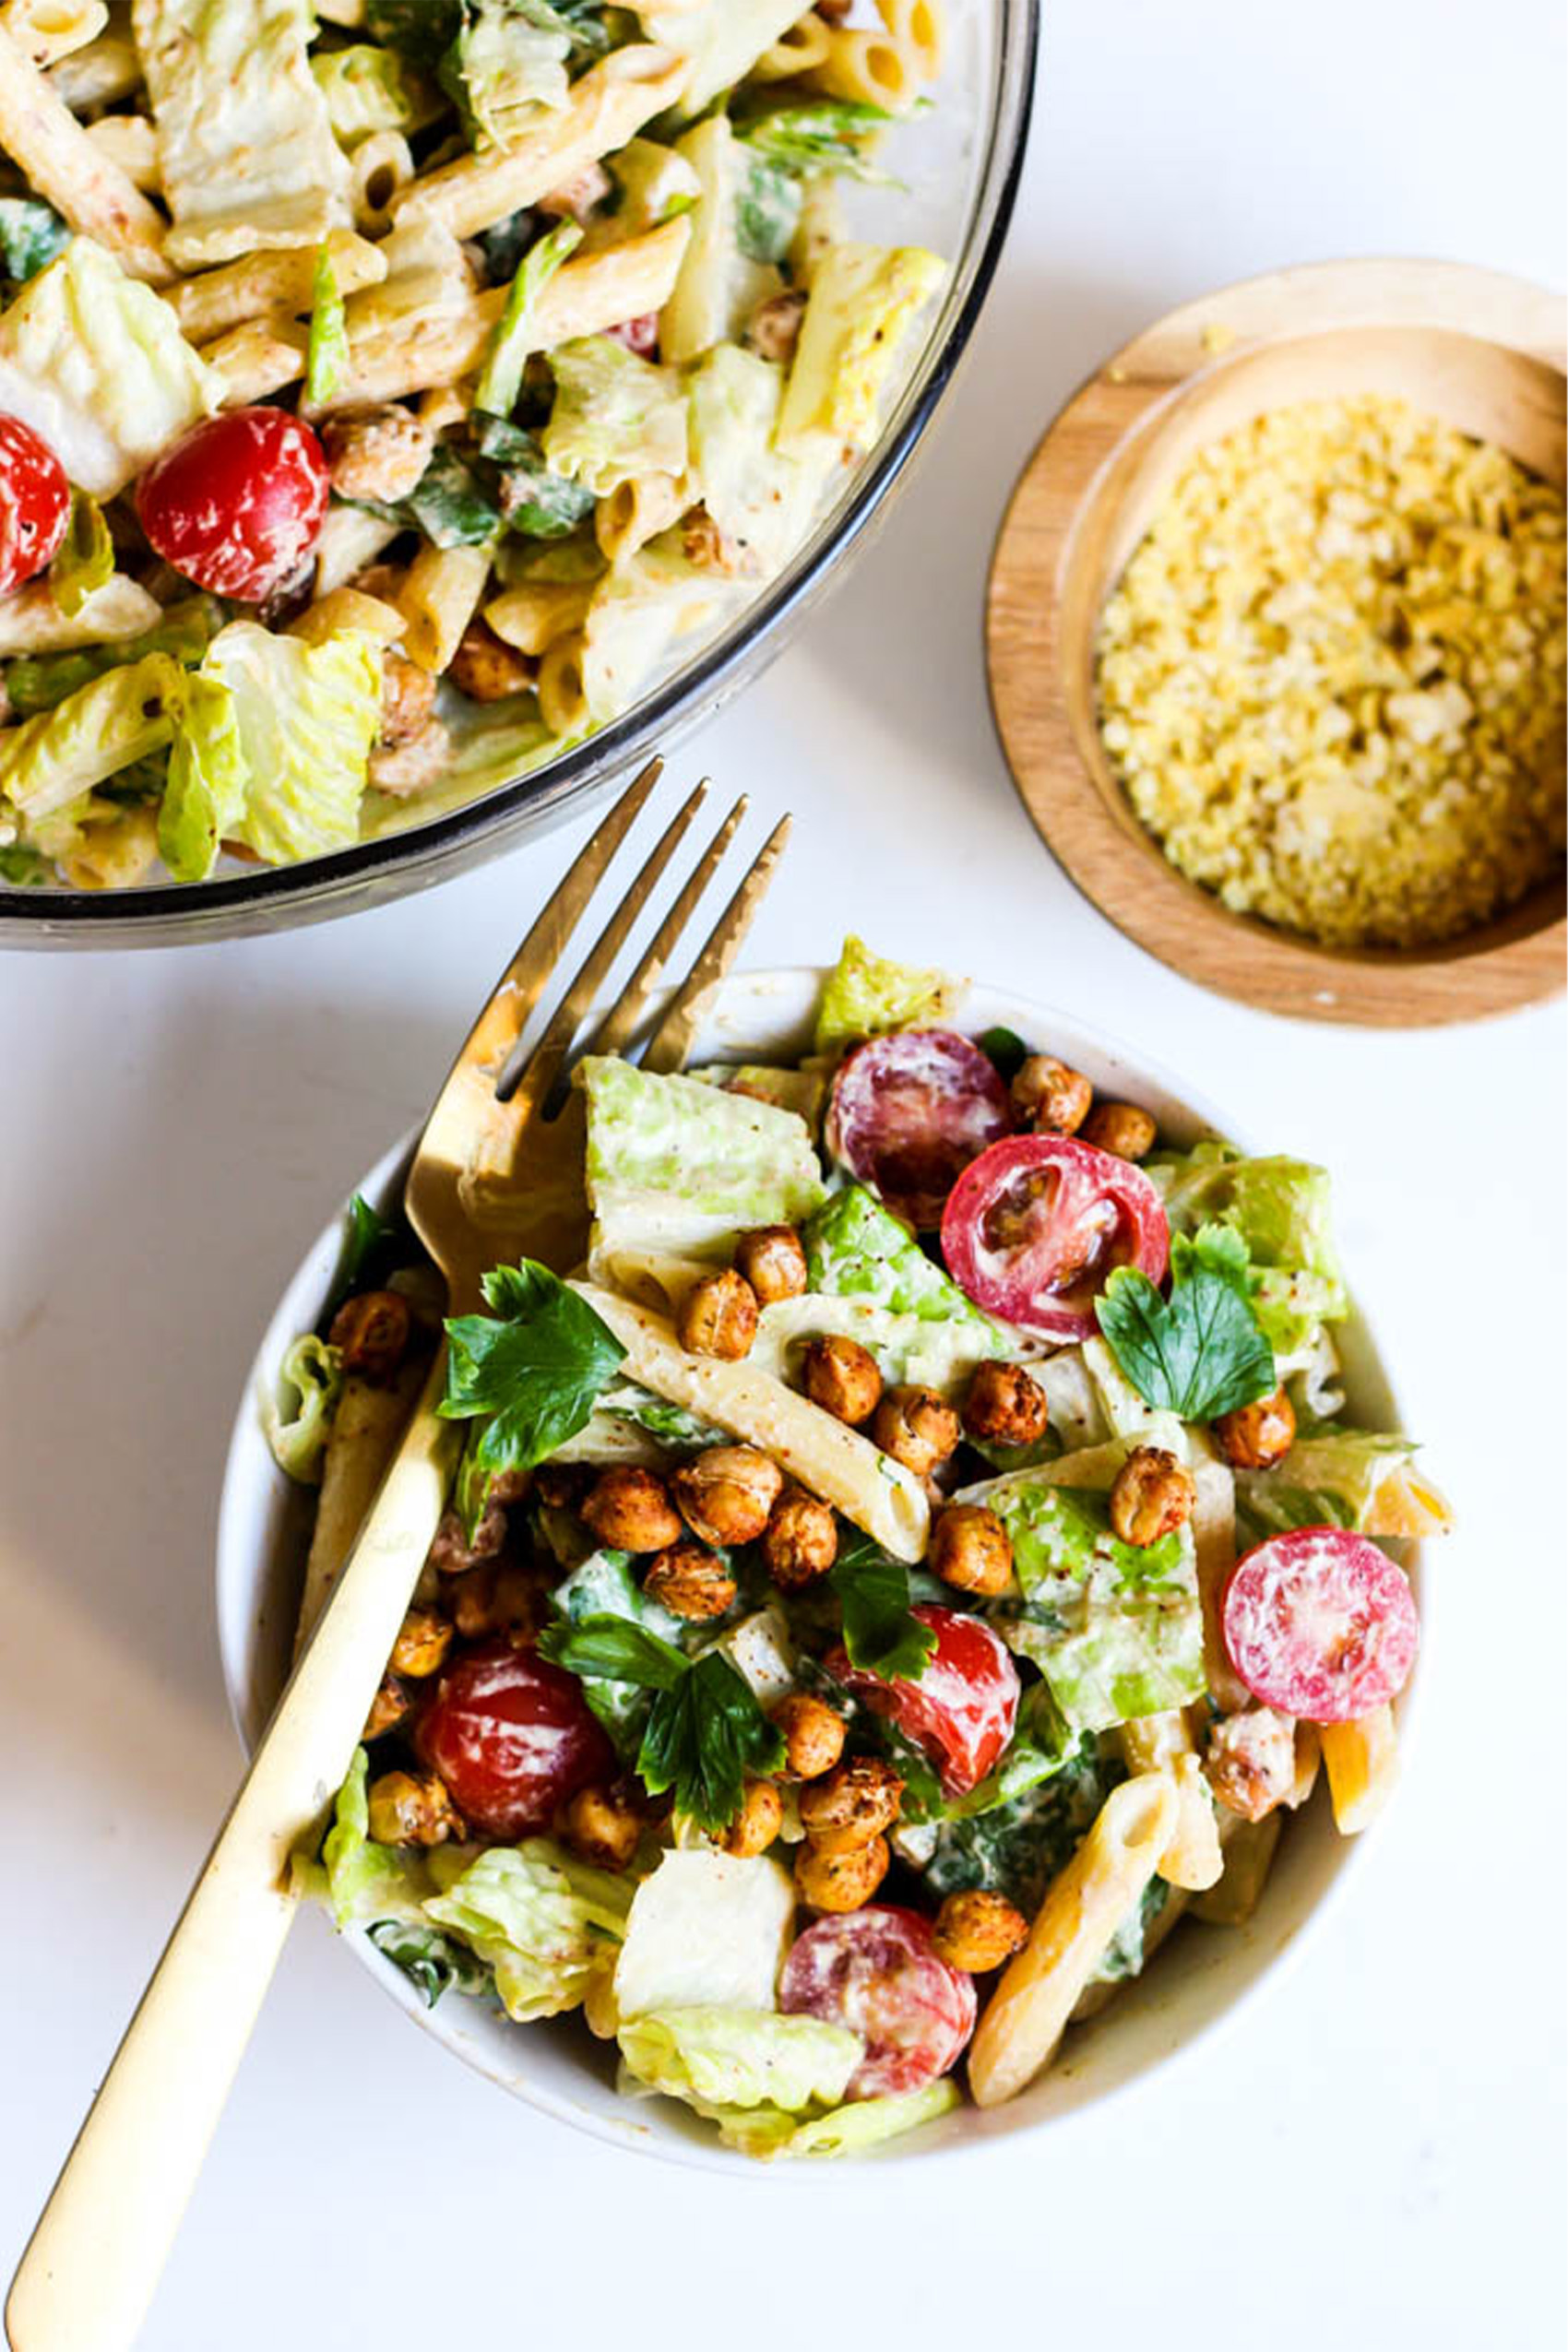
{"points": [[91, 2265]]}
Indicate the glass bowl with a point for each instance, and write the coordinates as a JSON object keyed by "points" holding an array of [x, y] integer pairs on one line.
{"points": [[962, 161]]}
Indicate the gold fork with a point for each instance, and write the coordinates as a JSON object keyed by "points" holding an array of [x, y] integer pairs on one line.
{"points": [[494, 1177]]}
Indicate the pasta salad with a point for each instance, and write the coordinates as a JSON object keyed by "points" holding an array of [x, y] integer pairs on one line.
{"points": [[914, 1562], [389, 388]]}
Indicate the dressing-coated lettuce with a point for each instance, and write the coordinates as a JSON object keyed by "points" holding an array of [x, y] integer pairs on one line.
{"points": [[59, 755], [615, 416], [369, 89], [1281, 1208], [741, 2057], [546, 1924], [761, 500], [863, 301], [856, 1250], [1359, 1479], [865, 995], [297, 1415], [502, 68], [359, 1881]]}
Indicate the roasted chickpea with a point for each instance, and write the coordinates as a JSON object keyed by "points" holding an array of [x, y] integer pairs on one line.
{"points": [[1119, 1128], [758, 1822], [812, 1734], [850, 1805], [801, 1540], [497, 1597], [717, 1316], [485, 669], [916, 1428], [690, 1581], [1256, 1436], [412, 1809], [773, 1261], [388, 1709], [603, 1825], [976, 1931], [377, 453], [408, 698], [1004, 1407], [840, 1882], [631, 1511], [970, 1549], [424, 1639], [451, 1552], [774, 326], [1054, 1100], [841, 1376], [372, 1333], [562, 1485], [727, 1494], [1250, 1763], [1153, 1495]]}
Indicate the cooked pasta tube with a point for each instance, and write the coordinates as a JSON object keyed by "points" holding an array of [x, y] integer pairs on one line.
{"points": [[380, 168], [348, 607], [798, 50], [919, 27], [351, 538], [1309, 1755], [608, 105], [1084, 1905], [868, 68], [259, 358], [1214, 1540], [130, 143], [1362, 1760], [438, 599], [636, 510], [259, 282], [531, 618], [101, 75], [365, 1429], [824, 1456], [114, 856], [446, 404], [562, 696], [1163, 1743], [87, 188], [30, 621], [50, 29], [1248, 1850], [1101, 1991]]}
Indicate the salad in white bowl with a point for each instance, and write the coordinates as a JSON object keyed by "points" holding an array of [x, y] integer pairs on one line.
{"points": [[921, 1560]]}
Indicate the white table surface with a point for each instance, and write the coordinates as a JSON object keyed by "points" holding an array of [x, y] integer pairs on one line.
{"points": [[1373, 2154]]}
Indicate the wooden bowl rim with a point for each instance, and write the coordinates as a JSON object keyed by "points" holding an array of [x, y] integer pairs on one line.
{"points": [[1517, 959]]}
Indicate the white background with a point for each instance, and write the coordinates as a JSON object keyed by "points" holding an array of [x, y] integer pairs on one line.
{"points": [[1374, 2152]]}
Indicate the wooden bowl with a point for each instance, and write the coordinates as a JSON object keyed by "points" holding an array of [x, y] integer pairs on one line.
{"points": [[1484, 352]]}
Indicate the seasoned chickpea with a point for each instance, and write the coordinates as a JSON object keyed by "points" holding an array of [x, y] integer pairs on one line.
{"points": [[372, 1332], [801, 1540], [727, 1494], [690, 1581], [717, 1317], [972, 1549], [407, 699], [1153, 1495], [1004, 1407], [497, 1598], [424, 1639], [976, 1931], [631, 1511], [486, 670], [916, 1428], [403, 769], [773, 1261], [850, 1805], [1054, 1099], [840, 1882], [812, 1734], [388, 1709], [1250, 1763], [774, 326], [758, 1822], [412, 1809], [1256, 1436], [378, 453], [603, 1825], [1119, 1128], [841, 1376]]}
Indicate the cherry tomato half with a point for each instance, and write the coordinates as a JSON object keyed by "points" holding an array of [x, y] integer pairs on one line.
{"points": [[513, 1738], [876, 1971], [908, 1112], [962, 1709], [35, 503], [1036, 1227], [1319, 1622], [236, 504]]}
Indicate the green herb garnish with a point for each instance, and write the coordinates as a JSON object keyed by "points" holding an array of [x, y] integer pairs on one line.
{"points": [[882, 1634], [1201, 1352]]}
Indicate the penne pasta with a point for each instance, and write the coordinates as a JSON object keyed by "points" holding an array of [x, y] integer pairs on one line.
{"points": [[1361, 1761], [1248, 1850], [365, 1429], [868, 68], [261, 282], [563, 695], [438, 599], [346, 608], [101, 75], [259, 358], [130, 142], [1214, 1535], [84, 186], [380, 168], [1084, 1905], [1163, 1743], [798, 50], [919, 27], [351, 538], [636, 510], [30, 621], [50, 29], [532, 617]]}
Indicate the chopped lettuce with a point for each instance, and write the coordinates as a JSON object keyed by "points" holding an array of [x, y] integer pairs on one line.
{"points": [[501, 377], [37, 681], [359, 1881], [723, 42], [822, 135], [297, 1415], [908, 1348], [653, 184], [369, 89], [55, 757], [769, 2131], [502, 65], [546, 1924], [720, 283], [761, 500], [855, 1249], [741, 2057], [863, 301], [1040, 1746], [615, 416], [1017, 1848], [96, 364], [1359, 1479], [1281, 1210], [866, 995], [31, 233], [431, 1962], [639, 609], [706, 1931], [327, 355], [805, 1090]]}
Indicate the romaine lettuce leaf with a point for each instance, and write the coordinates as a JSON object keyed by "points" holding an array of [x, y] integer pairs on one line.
{"points": [[55, 757], [720, 283], [36, 681], [865, 995], [863, 301], [805, 1090], [1017, 1848], [503, 65], [84, 560], [1281, 1208], [501, 377], [369, 89], [639, 609], [297, 1415], [604, 1585], [1359, 1479], [723, 41], [31, 233], [546, 1924], [761, 500], [654, 185], [326, 354], [706, 1931], [615, 416], [359, 1881], [769, 2131], [96, 364], [856, 1250], [741, 2057]]}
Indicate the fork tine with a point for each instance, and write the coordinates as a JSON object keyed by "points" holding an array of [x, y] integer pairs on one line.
{"points": [[620, 1024], [672, 1040]]}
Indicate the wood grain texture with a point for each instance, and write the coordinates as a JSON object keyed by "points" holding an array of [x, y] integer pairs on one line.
{"points": [[1483, 351]]}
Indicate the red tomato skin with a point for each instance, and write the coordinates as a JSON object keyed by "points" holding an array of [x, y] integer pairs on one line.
{"points": [[236, 505], [640, 335], [1111, 1214], [35, 504], [877, 1971], [910, 1111], [1358, 1641], [512, 1736], [962, 1709]]}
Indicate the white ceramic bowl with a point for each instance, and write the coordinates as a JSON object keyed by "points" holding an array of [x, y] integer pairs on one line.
{"points": [[1200, 1976]]}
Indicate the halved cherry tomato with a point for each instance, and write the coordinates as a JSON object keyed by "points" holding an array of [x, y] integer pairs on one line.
{"points": [[640, 335], [1319, 1622], [513, 1738], [908, 1112], [35, 503], [1037, 1226], [877, 1972], [962, 1709], [236, 504]]}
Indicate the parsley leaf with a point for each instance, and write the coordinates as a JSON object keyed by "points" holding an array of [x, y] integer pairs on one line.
{"points": [[1006, 1050], [535, 1367], [615, 1649], [1201, 1352], [825, 135], [882, 1636]]}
